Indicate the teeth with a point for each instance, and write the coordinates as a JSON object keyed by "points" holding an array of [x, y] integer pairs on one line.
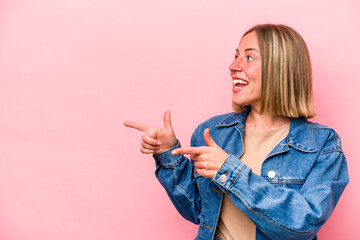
{"points": [[235, 81]]}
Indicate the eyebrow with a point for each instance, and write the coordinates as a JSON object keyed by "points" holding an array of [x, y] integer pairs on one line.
{"points": [[248, 49]]}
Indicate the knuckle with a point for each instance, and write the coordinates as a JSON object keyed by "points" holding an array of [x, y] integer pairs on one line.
{"points": [[149, 133], [152, 131], [145, 151], [204, 164]]}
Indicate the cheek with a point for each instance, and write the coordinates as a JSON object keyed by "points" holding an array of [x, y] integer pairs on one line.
{"points": [[254, 72]]}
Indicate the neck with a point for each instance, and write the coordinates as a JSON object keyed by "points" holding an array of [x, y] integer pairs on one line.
{"points": [[264, 121]]}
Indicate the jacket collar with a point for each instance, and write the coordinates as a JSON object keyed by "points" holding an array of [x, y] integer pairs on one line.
{"points": [[235, 119], [300, 135]]}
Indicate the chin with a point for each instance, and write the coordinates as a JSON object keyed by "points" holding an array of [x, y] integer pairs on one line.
{"points": [[238, 102]]}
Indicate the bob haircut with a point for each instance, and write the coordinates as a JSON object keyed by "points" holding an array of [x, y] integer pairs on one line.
{"points": [[286, 75]]}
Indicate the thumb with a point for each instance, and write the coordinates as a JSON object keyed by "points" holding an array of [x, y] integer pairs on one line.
{"points": [[167, 120], [208, 139]]}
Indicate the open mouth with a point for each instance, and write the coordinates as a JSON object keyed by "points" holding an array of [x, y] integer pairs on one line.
{"points": [[237, 83]]}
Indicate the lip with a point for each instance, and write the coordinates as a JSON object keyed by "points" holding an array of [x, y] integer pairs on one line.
{"points": [[233, 77], [236, 90]]}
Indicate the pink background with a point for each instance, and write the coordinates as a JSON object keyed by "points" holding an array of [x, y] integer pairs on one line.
{"points": [[71, 72]]}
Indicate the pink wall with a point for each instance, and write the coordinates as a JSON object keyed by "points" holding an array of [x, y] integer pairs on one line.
{"points": [[71, 72]]}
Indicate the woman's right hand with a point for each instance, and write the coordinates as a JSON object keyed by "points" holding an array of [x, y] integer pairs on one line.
{"points": [[155, 140]]}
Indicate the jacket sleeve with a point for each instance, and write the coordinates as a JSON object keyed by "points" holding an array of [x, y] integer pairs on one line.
{"points": [[283, 213], [176, 175]]}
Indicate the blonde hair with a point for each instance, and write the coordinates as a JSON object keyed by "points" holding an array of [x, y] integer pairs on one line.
{"points": [[286, 75]]}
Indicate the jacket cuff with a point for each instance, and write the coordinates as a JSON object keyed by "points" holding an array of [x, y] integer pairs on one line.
{"points": [[166, 159], [229, 172]]}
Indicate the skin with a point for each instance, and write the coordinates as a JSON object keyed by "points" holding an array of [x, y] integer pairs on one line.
{"points": [[155, 140], [247, 66], [208, 159]]}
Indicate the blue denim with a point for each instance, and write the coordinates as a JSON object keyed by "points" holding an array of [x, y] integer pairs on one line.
{"points": [[310, 175]]}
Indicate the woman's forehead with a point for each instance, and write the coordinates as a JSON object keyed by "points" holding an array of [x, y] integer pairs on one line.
{"points": [[249, 41]]}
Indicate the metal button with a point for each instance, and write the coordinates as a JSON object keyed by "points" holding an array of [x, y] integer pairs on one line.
{"points": [[271, 174], [223, 178]]}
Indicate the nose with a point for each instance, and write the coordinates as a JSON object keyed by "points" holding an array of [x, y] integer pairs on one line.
{"points": [[236, 65]]}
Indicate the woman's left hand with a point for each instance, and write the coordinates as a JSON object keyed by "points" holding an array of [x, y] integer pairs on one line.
{"points": [[207, 160]]}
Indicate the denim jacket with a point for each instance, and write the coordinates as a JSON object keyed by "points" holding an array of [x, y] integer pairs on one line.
{"points": [[310, 175]]}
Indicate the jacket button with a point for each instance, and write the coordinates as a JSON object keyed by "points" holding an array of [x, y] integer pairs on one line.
{"points": [[223, 178], [271, 174]]}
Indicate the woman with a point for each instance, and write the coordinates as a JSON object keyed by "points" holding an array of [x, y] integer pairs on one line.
{"points": [[265, 172]]}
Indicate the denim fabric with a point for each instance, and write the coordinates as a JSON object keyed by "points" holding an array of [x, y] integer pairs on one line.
{"points": [[310, 175]]}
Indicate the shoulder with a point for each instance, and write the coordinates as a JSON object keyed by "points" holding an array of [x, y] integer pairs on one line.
{"points": [[326, 138], [217, 119], [313, 137], [214, 121]]}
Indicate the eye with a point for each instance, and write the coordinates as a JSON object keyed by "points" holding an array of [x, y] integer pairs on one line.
{"points": [[236, 56], [248, 57]]}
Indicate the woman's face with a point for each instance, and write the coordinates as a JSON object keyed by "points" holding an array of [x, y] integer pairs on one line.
{"points": [[246, 72]]}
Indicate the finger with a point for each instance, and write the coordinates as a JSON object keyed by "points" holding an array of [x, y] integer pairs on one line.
{"points": [[149, 140], [199, 164], [152, 132], [206, 173], [167, 120], [201, 171], [189, 150], [195, 157], [136, 125], [150, 147], [208, 139], [146, 151]]}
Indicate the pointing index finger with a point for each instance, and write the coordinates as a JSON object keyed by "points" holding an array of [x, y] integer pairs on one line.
{"points": [[189, 150], [136, 125]]}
